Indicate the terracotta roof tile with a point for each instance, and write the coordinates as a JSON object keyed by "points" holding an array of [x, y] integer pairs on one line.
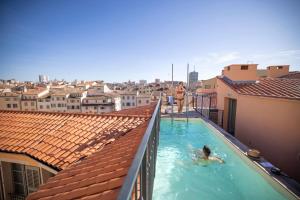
{"points": [[61, 139], [267, 87], [101, 174]]}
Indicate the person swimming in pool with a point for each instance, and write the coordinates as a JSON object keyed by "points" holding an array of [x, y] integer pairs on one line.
{"points": [[205, 154]]}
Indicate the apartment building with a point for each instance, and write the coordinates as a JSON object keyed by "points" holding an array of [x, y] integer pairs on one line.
{"points": [[143, 100], [263, 113], [74, 101], [44, 103], [29, 99], [98, 104], [98, 89], [10, 101], [59, 101], [128, 99], [145, 90]]}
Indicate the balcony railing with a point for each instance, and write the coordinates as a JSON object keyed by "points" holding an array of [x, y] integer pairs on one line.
{"points": [[206, 105], [138, 183]]}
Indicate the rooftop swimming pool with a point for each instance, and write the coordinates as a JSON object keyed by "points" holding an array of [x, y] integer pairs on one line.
{"points": [[179, 177]]}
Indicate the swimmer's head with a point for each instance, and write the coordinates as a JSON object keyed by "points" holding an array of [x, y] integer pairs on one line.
{"points": [[206, 151]]}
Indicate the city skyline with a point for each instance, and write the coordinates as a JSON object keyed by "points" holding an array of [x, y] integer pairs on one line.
{"points": [[117, 41]]}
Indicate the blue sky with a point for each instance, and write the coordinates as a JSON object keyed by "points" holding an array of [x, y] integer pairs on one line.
{"points": [[131, 40]]}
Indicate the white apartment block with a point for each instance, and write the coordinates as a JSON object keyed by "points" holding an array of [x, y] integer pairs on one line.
{"points": [[59, 101], [145, 90], [74, 101], [143, 100], [10, 101], [98, 89], [29, 99], [44, 103], [128, 99], [98, 104]]}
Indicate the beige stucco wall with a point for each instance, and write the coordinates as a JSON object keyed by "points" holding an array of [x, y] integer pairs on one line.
{"points": [[236, 74], [271, 126], [224, 91]]}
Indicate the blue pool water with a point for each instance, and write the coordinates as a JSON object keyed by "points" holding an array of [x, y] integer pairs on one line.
{"points": [[178, 177]]}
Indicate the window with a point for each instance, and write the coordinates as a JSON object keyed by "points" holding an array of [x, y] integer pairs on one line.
{"points": [[47, 100], [228, 68], [52, 98], [123, 104], [33, 178], [15, 105], [127, 104], [140, 101], [7, 99], [58, 105], [32, 103], [147, 101], [73, 107], [128, 97], [8, 106], [77, 107], [102, 108], [40, 100], [15, 99], [18, 178], [133, 104], [48, 107], [63, 98], [25, 104], [57, 98], [279, 67], [123, 97], [41, 106], [104, 101], [95, 107], [244, 67], [132, 97]]}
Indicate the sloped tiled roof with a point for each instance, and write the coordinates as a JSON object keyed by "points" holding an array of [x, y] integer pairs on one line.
{"points": [[60, 140], [267, 87], [292, 75], [100, 176]]}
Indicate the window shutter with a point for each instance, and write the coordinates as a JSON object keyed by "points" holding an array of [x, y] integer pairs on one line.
{"points": [[33, 178]]}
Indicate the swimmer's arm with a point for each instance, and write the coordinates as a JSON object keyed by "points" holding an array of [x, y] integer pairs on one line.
{"points": [[216, 159]]}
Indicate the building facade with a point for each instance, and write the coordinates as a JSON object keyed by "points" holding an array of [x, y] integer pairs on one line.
{"points": [[128, 99], [74, 101], [10, 101], [59, 101]]}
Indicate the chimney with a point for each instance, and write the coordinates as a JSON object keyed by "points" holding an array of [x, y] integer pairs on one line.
{"points": [[276, 71]]}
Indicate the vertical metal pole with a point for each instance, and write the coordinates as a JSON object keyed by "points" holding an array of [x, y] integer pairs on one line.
{"points": [[186, 92], [201, 104], [172, 95]]}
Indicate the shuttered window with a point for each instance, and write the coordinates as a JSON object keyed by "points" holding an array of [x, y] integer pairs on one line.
{"points": [[33, 178]]}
